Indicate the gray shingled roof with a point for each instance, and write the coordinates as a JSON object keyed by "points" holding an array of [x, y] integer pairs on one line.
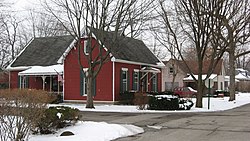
{"points": [[126, 48], [43, 51], [46, 51]]}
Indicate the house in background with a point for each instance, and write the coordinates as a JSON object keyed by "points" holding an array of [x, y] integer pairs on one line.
{"points": [[243, 77], [176, 68], [51, 63], [173, 74]]}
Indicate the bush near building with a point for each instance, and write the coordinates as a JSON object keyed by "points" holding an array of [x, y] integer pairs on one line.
{"points": [[57, 117], [155, 101], [20, 111]]}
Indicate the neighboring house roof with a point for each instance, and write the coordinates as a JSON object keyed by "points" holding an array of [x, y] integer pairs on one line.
{"points": [[126, 48], [190, 78], [193, 65], [43, 51], [242, 74]]}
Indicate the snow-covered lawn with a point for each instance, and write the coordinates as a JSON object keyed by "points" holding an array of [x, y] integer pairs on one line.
{"points": [[91, 131], [216, 104], [102, 131]]}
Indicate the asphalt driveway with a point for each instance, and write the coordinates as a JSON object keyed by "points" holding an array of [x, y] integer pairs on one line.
{"points": [[230, 125]]}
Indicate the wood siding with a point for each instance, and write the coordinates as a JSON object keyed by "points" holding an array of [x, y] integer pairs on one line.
{"points": [[104, 80], [72, 78]]}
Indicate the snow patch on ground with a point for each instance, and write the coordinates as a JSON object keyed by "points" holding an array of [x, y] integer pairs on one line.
{"points": [[154, 127], [91, 131]]}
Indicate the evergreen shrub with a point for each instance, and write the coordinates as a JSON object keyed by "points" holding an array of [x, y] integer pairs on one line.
{"points": [[163, 103], [57, 117]]}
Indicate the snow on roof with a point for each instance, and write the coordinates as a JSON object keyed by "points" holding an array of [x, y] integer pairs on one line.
{"points": [[212, 76], [150, 69], [240, 76], [241, 69], [43, 70], [227, 79]]}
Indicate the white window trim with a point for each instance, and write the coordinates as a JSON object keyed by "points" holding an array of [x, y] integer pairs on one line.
{"points": [[85, 43], [136, 70], [23, 82], [126, 86], [154, 82], [85, 82], [138, 79], [124, 69], [85, 86], [171, 72]]}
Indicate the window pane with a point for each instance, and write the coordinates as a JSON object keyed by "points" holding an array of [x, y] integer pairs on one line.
{"points": [[171, 70], [86, 47], [124, 80], [85, 86], [136, 81]]}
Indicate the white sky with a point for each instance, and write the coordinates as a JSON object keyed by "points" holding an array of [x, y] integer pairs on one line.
{"points": [[22, 8], [23, 5]]}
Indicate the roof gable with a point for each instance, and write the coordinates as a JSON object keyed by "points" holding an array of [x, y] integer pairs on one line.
{"points": [[126, 48], [43, 51]]}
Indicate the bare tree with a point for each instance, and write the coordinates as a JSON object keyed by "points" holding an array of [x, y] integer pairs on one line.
{"points": [[88, 16], [11, 34], [43, 24], [235, 31], [8, 40], [191, 24], [243, 60], [4, 4]]}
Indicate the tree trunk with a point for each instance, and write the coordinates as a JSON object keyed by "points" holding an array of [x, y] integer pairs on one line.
{"points": [[232, 73], [199, 92], [90, 103]]}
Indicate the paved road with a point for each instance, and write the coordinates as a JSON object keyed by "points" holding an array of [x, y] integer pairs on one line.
{"points": [[231, 125]]}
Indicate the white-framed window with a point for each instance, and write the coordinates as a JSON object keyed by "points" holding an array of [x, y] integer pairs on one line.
{"points": [[154, 83], [85, 70], [124, 79], [23, 82], [86, 47], [84, 86], [171, 70], [136, 80], [83, 82]]}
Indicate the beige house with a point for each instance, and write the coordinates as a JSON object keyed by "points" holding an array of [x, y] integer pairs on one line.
{"points": [[172, 75], [176, 74]]}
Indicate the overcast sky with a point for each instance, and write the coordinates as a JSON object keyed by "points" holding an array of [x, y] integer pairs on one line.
{"points": [[24, 5], [22, 8]]}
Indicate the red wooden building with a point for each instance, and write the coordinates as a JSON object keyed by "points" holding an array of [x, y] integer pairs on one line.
{"points": [[130, 67]]}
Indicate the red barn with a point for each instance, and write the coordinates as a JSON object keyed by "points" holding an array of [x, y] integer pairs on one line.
{"points": [[51, 63]]}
